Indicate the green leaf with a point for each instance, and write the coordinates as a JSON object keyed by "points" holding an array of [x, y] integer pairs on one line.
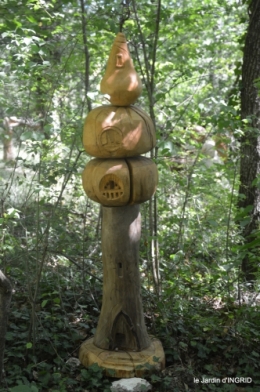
{"points": [[44, 303], [18, 24], [24, 388], [31, 19]]}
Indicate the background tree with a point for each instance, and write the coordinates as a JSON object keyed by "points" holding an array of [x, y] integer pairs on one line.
{"points": [[249, 191], [5, 298]]}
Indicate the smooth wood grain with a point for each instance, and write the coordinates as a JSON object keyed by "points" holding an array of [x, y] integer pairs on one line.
{"points": [[107, 181], [118, 182], [118, 132], [121, 322], [121, 82], [121, 363], [143, 179]]}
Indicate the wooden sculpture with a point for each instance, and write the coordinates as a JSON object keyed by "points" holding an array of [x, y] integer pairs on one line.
{"points": [[121, 81], [118, 132], [120, 179], [118, 182]]}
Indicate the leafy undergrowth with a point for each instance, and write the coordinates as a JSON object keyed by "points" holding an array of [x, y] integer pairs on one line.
{"points": [[210, 349], [203, 340]]}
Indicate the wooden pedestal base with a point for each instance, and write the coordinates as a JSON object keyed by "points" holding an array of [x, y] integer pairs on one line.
{"points": [[123, 364]]}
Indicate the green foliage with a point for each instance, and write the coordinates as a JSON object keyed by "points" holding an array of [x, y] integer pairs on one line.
{"points": [[93, 376]]}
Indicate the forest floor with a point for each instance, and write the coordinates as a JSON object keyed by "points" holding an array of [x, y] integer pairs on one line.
{"points": [[209, 345]]}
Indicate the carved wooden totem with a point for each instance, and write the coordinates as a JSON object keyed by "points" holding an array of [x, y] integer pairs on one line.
{"points": [[120, 179]]}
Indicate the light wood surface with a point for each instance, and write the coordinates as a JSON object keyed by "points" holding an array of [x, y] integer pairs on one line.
{"points": [[120, 179], [124, 364], [121, 82], [118, 132], [118, 182], [144, 179], [107, 181], [121, 323]]}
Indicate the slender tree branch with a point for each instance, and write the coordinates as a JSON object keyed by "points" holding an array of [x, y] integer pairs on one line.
{"points": [[156, 36], [146, 60], [86, 52], [150, 80], [74, 262], [141, 67], [5, 299]]}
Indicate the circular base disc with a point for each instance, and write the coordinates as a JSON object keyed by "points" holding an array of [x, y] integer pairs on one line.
{"points": [[123, 364]]}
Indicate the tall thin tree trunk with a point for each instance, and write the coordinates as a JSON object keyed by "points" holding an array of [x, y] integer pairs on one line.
{"points": [[148, 74], [8, 141], [86, 52], [5, 299], [250, 144]]}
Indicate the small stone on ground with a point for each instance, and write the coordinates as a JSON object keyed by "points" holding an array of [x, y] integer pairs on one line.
{"points": [[73, 362], [134, 384]]}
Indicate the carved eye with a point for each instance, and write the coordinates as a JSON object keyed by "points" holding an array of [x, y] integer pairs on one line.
{"points": [[119, 60]]}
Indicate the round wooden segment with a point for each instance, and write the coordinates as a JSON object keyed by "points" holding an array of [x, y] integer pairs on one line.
{"points": [[144, 179], [123, 364], [121, 81], [118, 182], [121, 322], [107, 181], [118, 132]]}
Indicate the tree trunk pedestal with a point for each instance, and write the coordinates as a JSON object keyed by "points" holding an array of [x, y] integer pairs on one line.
{"points": [[121, 342], [123, 364]]}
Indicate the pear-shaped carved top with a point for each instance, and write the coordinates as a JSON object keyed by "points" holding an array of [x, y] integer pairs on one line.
{"points": [[121, 80]]}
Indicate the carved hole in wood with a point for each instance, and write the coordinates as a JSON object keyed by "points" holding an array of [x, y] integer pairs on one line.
{"points": [[124, 336], [111, 187], [110, 139], [120, 271], [120, 339], [119, 60]]}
